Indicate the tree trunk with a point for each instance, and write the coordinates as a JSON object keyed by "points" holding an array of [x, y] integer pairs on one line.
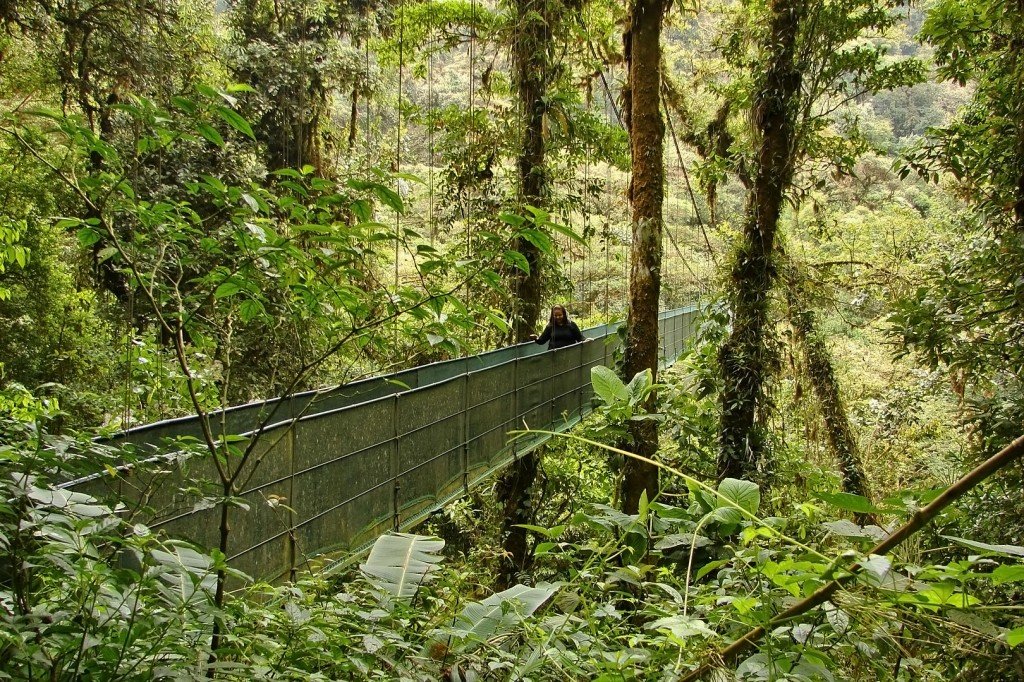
{"points": [[745, 356], [532, 75], [826, 389], [513, 490], [531, 62], [646, 193]]}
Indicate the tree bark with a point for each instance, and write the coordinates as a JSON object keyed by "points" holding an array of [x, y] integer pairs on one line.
{"points": [[646, 194], [745, 357], [533, 73], [826, 388]]}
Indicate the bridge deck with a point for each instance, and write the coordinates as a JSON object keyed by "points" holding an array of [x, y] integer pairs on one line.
{"points": [[336, 468]]}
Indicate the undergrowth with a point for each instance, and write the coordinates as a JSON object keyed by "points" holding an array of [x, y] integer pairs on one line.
{"points": [[87, 593]]}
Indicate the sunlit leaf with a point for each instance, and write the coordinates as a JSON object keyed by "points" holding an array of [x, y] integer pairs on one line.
{"points": [[1007, 550], [745, 494], [1007, 574], [250, 310], [608, 385], [1015, 637], [87, 236], [235, 120], [226, 289], [400, 562]]}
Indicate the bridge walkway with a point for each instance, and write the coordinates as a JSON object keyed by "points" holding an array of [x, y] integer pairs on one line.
{"points": [[337, 468]]}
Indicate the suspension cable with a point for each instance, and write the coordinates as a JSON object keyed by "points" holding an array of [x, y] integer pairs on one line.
{"points": [[585, 207], [366, 93], [431, 227], [689, 188], [608, 213], [472, 134], [398, 149]]}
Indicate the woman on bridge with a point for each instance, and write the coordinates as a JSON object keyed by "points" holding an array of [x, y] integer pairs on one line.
{"points": [[561, 331]]}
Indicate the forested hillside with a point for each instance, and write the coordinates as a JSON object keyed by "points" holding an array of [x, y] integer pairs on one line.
{"points": [[207, 204]]}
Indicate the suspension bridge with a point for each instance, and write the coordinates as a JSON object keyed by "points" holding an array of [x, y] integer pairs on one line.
{"points": [[334, 469]]}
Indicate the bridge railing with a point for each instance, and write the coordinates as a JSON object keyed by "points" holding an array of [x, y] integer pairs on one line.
{"points": [[337, 468]]}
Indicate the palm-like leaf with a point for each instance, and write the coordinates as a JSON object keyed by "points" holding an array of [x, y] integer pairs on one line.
{"points": [[399, 563], [500, 612]]}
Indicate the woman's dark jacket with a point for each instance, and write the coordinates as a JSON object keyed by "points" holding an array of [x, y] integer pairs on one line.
{"points": [[561, 335]]}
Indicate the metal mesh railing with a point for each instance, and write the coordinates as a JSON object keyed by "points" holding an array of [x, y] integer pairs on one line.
{"points": [[337, 468]]}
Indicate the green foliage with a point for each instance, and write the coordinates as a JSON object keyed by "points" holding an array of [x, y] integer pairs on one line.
{"points": [[86, 592], [400, 563], [621, 402], [966, 318], [223, 265], [497, 615], [625, 595], [11, 252], [175, 231]]}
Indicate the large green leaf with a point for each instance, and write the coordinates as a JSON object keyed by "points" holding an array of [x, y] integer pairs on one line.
{"points": [[210, 133], [1007, 574], [608, 385], [639, 386], [1015, 637], [568, 232], [744, 494], [399, 563], [727, 515], [187, 573], [496, 615], [235, 120], [681, 627], [537, 238], [1008, 550], [518, 260], [389, 198]]}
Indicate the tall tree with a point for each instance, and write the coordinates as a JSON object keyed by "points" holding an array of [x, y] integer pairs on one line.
{"points": [[743, 356], [534, 71], [822, 376], [810, 61], [285, 45], [109, 52], [642, 42]]}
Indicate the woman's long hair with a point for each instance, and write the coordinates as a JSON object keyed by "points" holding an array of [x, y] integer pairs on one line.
{"points": [[565, 316]]}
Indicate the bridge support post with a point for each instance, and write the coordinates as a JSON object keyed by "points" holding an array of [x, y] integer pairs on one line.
{"points": [[516, 416], [465, 431], [579, 384], [292, 558], [395, 465]]}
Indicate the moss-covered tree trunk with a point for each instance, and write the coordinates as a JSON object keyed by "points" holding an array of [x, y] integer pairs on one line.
{"points": [[532, 74], [744, 357], [823, 380], [646, 193], [289, 126]]}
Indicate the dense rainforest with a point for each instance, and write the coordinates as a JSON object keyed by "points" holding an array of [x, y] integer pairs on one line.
{"points": [[210, 203]]}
